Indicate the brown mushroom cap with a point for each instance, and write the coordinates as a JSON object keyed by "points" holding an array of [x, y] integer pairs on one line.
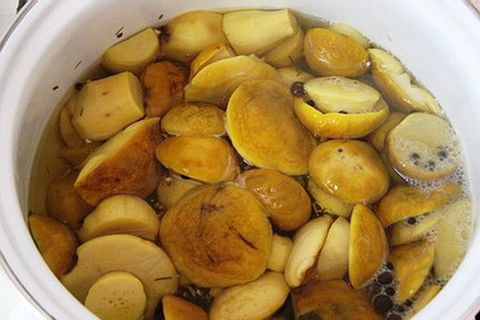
{"points": [[217, 236]]}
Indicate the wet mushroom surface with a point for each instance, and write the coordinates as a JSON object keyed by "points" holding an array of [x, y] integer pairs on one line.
{"points": [[250, 165]]}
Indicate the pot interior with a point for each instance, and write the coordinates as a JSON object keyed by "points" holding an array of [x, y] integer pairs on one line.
{"points": [[58, 42]]}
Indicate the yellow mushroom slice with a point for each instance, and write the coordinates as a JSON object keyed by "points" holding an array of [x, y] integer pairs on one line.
{"points": [[329, 203], [350, 31], [190, 33], [63, 202], [124, 213], [257, 31], [339, 125], [123, 252], [454, 231], [132, 54], [216, 82], [256, 300], [340, 94], [77, 155], [402, 202], [412, 263], [288, 53], [217, 236], [69, 134], [208, 159], [404, 232], [290, 75], [307, 242], [368, 246], [209, 55], [194, 119], [117, 295], [422, 298], [423, 147], [331, 300], [333, 258], [331, 53], [175, 308], [173, 187], [286, 201], [350, 170], [124, 164], [264, 129], [55, 241], [115, 102], [281, 248], [164, 84], [337, 107], [397, 87], [377, 137]]}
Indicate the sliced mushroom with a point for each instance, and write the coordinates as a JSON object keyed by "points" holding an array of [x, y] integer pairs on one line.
{"points": [[454, 231], [337, 94], [333, 259], [329, 203], [397, 87], [307, 243], [175, 308], [423, 147], [286, 201], [132, 54], [337, 107], [76, 156], [209, 55], [217, 236], [405, 232], [331, 300], [64, 203], [117, 295], [55, 241], [288, 53], [290, 75], [69, 134], [403, 202], [412, 264], [256, 300], [350, 170], [281, 248], [124, 164], [208, 159], [164, 84], [330, 53], [350, 31], [216, 82], [368, 247], [264, 129], [189, 33], [122, 252], [172, 187], [127, 214], [338, 125], [378, 136], [115, 102], [257, 31], [422, 298], [194, 119]]}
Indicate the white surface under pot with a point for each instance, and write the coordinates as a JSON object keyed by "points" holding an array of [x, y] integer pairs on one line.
{"points": [[54, 42]]}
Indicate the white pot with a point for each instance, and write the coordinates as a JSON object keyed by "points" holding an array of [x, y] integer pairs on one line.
{"points": [[439, 40]]}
